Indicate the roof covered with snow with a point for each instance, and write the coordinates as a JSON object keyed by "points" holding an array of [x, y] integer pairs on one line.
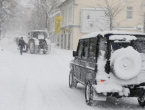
{"points": [[61, 3], [38, 31], [94, 34]]}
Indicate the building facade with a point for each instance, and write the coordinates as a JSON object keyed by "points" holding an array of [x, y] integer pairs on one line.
{"points": [[80, 17]]}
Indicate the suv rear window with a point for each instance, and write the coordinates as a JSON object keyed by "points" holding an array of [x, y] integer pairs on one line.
{"points": [[35, 34], [92, 49], [139, 44]]}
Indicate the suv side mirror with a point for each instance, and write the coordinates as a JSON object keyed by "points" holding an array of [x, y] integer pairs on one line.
{"points": [[74, 53]]}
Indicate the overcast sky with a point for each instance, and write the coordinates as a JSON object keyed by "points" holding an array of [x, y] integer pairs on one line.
{"points": [[24, 2]]}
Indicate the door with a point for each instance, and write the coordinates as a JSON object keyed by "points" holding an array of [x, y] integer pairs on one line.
{"points": [[90, 73]]}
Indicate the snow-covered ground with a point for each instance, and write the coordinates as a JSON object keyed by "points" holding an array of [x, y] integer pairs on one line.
{"points": [[40, 82]]}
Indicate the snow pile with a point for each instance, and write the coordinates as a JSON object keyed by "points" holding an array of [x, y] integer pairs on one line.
{"points": [[108, 87], [126, 63], [101, 74], [9, 45]]}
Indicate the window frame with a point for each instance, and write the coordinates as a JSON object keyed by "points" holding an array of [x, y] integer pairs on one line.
{"points": [[129, 14], [84, 46], [91, 59]]}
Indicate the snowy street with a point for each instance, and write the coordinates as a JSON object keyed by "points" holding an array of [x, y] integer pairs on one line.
{"points": [[40, 82]]}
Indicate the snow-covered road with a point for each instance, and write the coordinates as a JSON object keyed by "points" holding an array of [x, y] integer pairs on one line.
{"points": [[40, 82]]}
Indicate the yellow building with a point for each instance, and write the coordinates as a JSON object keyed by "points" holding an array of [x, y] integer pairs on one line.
{"points": [[80, 17]]}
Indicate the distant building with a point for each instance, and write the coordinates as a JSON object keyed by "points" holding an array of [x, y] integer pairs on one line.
{"points": [[84, 16]]}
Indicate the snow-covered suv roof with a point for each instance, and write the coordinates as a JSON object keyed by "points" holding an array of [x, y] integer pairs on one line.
{"points": [[94, 34], [37, 31]]}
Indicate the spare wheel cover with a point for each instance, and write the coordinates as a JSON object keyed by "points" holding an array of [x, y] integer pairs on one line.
{"points": [[126, 63]]}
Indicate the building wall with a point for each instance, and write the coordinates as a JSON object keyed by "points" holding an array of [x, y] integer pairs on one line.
{"points": [[66, 34], [73, 26]]}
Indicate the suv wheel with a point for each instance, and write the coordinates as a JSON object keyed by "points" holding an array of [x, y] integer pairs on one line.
{"points": [[89, 94], [44, 52], [26, 48], [141, 100], [72, 81], [32, 47]]}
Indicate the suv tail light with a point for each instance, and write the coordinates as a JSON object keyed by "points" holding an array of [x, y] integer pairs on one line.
{"points": [[102, 81]]}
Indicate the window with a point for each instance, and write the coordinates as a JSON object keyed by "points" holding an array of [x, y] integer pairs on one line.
{"points": [[65, 22], [80, 49], [85, 49], [63, 18], [129, 12], [102, 47], [92, 49], [58, 40], [70, 14], [69, 40]]}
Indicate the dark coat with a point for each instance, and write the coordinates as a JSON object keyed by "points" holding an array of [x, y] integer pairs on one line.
{"points": [[21, 43]]}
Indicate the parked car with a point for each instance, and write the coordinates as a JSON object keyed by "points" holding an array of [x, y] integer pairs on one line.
{"points": [[110, 64], [38, 42]]}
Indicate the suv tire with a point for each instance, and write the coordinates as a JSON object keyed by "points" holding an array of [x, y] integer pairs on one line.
{"points": [[44, 52], [72, 81], [89, 94], [26, 48], [141, 100]]}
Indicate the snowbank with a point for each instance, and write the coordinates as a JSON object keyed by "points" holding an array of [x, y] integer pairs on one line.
{"points": [[108, 87]]}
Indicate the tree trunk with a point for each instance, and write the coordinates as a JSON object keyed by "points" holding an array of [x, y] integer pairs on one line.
{"points": [[111, 24], [46, 23]]}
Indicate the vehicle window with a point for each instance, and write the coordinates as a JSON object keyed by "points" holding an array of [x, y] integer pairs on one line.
{"points": [[80, 49], [119, 45], [102, 47], [85, 49], [36, 34], [139, 44], [92, 49]]}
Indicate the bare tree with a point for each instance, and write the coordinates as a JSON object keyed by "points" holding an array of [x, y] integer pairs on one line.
{"points": [[112, 9], [7, 12], [41, 13]]}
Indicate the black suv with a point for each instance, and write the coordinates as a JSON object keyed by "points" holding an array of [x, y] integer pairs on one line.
{"points": [[110, 64]]}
